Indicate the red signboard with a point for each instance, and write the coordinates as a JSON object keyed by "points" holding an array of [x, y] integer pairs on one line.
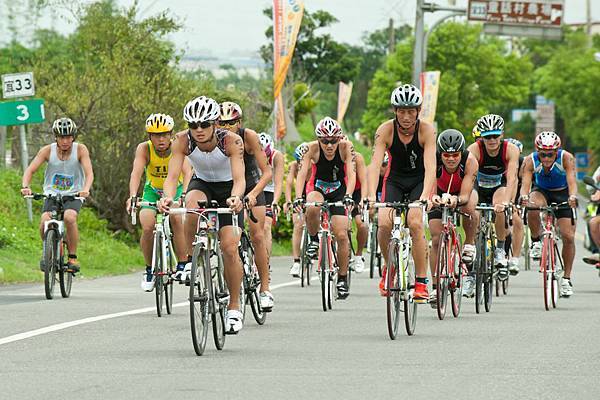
{"points": [[537, 13]]}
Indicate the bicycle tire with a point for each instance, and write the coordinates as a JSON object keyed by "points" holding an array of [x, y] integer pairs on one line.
{"points": [[479, 272], [555, 279], [50, 261], [65, 278], [456, 280], [527, 247], [168, 282], [219, 310], [324, 272], [545, 269], [441, 276], [372, 249], [393, 289], [199, 297], [505, 286], [489, 274], [157, 270], [303, 258], [410, 306]]}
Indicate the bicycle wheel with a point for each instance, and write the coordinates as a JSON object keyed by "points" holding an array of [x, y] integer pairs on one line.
{"points": [[323, 264], [304, 259], [456, 280], [158, 270], [505, 286], [65, 278], [220, 301], [168, 277], [489, 276], [526, 247], [199, 298], [546, 268], [372, 250], [479, 268], [410, 306], [50, 262], [442, 278], [392, 283], [554, 291]]}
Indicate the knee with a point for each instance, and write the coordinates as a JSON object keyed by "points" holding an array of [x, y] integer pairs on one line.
{"points": [[70, 218], [568, 238]]}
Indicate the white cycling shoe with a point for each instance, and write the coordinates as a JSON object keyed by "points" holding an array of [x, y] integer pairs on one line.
{"points": [[266, 301], [233, 322], [359, 264]]}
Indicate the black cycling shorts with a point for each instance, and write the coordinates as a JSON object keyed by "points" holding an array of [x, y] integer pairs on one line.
{"points": [[486, 195], [335, 196], [260, 199], [219, 192], [410, 189], [556, 196], [268, 201], [52, 205]]}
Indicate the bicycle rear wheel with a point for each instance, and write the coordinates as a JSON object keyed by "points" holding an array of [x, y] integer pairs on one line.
{"points": [[199, 298], [410, 306], [65, 278], [546, 267], [158, 270], [392, 284], [50, 262]]}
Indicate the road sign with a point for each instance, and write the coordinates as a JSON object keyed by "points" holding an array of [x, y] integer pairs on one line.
{"points": [[22, 112], [531, 18], [18, 85]]}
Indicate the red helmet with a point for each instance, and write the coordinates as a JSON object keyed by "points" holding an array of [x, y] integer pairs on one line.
{"points": [[547, 140], [328, 127]]}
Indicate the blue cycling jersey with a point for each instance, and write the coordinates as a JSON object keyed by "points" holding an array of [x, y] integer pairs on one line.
{"points": [[553, 179]]}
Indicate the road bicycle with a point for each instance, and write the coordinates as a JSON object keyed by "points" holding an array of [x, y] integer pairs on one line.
{"points": [[374, 250], [400, 274], [551, 263], [450, 270], [54, 247], [484, 262], [501, 285], [164, 259], [208, 293]]}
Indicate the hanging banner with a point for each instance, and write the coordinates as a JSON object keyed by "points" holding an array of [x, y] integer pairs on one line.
{"points": [[344, 93], [280, 125], [287, 16], [430, 84]]}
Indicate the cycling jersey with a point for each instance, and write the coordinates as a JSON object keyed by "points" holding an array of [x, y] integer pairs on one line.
{"points": [[213, 166], [328, 177], [252, 172], [271, 185], [157, 168], [553, 179], [492, 170]]}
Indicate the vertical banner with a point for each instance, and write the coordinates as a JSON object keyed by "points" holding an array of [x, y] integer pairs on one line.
{"points": [[344, 93], [287, 17], [430, 85], [279, 117]]}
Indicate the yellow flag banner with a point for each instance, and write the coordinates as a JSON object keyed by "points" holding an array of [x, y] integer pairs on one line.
{"points": [[430, 85], [280, 117], [287, 16], [344, 93]]}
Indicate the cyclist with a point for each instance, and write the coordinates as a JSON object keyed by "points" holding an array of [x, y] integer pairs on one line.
{"points": [[333, 177], [552, 172], [594, 223], [257, 175], [298, 218], [456, 172], [68, 173], [152, 156], [362, 230], [410, 145], [497, 177], [273, 189], [515, 238], [217, 158]]}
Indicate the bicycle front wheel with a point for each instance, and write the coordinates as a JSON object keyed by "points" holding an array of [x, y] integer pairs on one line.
{"points": [[456, 280], [489, 275], [220, 300], [50, 262], [158, 270], [372, 250], [410, 305], [199, 298], [304, 259], [442, 278], [555, 277], [65, 278], [392, 286], [324, 272], [480, 272], [546, 268]]}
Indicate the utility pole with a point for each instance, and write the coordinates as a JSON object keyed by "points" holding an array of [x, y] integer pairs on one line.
{"points": [[392, 33], [589, 22], [2, 146]]}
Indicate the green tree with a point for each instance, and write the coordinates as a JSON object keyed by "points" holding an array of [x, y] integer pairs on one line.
{"points": [[478, 76], [570, 79]]}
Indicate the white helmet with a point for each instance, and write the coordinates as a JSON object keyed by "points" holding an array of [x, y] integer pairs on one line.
{"points": [[64, 127], [547, 140], [406, 96], [490, 124], [266, 141], [201, 109], [328, 127]]}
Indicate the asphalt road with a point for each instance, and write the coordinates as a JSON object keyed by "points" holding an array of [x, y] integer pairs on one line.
{"points": [[107, 342]]}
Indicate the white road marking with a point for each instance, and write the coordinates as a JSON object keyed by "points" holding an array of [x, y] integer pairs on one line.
{"points": [[70, 324]]}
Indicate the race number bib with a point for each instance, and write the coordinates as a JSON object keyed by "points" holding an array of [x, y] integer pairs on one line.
{"points": [[327, 187], [62, 182], [488, 181]]}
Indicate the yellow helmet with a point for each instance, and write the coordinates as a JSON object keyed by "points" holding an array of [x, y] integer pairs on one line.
{"points": [[230, 111], [476, 133], [159, 123]]}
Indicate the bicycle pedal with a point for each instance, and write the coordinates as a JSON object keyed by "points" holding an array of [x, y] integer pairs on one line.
{"points": [[223, 298]]}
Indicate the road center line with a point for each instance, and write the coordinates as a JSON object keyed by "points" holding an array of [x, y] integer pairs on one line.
{"points": [[70, 324]]}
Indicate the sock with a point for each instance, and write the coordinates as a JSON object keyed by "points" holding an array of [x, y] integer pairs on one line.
{"points": [[73, 256], [500, 244], [535, 239], [314, 238], [422, 280], [296, 260], [433, 286], [181, 264], [341, 278], [149, 269], [189, 259]]}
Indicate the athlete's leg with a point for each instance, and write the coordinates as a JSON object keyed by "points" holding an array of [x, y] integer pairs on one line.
{"points": [[257, 235], [501, 230], [312, 213], [517, 234], [362, 234], [419, 244], [435, 229], [595, 230], [470, 224], [384, 230], [268, 236], [339, 224], [191, 201], [536, 199], [70, 219], [567, 233], [43, 219], [229, 240], [298, 222]]}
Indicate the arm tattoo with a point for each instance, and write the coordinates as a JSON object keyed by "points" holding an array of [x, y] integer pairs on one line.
{"points": [[353, 158]]}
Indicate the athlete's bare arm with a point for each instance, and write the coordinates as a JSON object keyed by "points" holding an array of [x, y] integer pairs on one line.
{"points": [[235, 150], [427, 139], [289, 181], [86, 165], [278, 166], [41, 157], [527, 171], [178, 153], [350, 160], [361, 175], [471, 168], [252, 145], [571, 170], [139, 163], [383, 140], [512, 155], [304, 166]]}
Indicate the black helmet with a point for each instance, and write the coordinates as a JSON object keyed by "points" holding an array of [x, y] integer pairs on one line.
{"points": [[64, 127], [450, 141]]}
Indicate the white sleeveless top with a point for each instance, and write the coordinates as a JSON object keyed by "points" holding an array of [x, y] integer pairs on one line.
{"points": [[213, 166], [270, 187], [63, 177]]}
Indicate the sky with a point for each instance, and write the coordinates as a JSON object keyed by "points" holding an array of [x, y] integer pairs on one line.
{"points": [[222, 28]]}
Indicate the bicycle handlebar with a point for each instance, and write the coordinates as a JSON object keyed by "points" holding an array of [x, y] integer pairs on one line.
{"points": [[39, 196], [550, 208]]}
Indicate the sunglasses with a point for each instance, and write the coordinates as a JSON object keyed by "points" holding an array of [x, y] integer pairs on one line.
{"points": [[490, 137], [547, 155], [331, 141], [451, 155], [203, 124], [228, 123]]}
